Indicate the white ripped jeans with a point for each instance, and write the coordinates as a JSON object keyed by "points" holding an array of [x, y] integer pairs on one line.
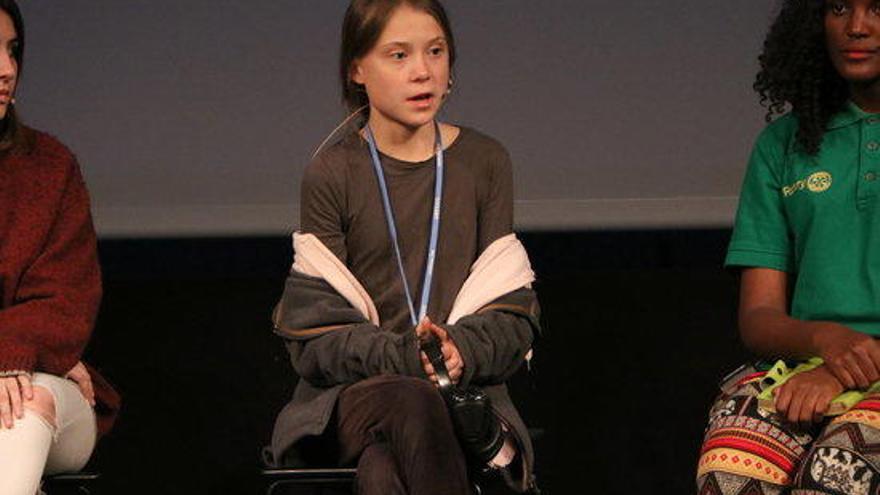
{"points": [[34, 446]]}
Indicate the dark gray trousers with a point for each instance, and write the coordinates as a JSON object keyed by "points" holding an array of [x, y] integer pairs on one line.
{"points": [[398, 430]]}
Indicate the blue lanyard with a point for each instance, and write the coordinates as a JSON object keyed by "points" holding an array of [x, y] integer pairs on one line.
{"points": [[392, 229]]}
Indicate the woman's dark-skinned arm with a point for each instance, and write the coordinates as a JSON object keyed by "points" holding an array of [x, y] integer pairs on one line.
{"points": [[767, 329]]}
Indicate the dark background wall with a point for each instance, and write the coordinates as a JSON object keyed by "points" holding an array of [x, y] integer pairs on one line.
{"points": [[639, 327]]}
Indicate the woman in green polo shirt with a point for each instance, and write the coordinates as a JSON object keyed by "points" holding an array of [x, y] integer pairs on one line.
{"points": [[807, 242]]}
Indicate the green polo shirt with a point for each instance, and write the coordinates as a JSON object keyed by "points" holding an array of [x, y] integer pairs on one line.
{"points": [[817, 217]]}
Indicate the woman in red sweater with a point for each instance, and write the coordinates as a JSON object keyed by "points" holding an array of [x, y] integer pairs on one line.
{"points": [[52, 407]]}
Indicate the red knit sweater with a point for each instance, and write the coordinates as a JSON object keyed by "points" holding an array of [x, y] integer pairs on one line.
{"points": [[50, 282]]}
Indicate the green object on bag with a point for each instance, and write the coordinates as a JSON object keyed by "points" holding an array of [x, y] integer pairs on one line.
{"points": [[780, 373]]}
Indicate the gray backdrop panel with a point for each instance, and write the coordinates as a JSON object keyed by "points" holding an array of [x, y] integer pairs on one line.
{"points": [[197, 117]]}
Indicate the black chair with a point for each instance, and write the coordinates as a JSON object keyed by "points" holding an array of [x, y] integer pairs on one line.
{"points": [[336, 481], [309, 481], [325, 481], [70, 484]]}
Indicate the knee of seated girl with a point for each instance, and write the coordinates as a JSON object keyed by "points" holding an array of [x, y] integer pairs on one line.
{"points": [[42, 403]]}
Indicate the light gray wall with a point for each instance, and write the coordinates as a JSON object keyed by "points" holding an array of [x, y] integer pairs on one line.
{"points": [[196, 117]]}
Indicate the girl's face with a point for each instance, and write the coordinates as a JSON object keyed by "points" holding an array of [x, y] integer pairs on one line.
{"points": [[8, 64], [852, 35], [406, 74]]}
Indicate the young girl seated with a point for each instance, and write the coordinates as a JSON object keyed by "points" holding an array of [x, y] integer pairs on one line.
{"points": [[50, 289], [806, 241], [406, 231]]}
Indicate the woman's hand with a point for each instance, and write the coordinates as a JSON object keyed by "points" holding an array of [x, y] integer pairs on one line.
{"points": [[14, 391], [852, 357], [805, 397], [451, 354], [80, 375]]}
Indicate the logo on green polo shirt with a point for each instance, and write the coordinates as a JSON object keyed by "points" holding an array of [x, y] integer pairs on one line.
{"points": [[817, 182]]}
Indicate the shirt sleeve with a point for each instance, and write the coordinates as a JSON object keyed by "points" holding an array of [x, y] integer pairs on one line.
{"points": [[322, 205], [330, 342], [49, 324], [761, 235], [494, 341], [495, 218]]}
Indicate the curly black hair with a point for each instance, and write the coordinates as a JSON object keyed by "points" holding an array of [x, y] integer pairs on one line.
{"points": [[797, 71]]}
